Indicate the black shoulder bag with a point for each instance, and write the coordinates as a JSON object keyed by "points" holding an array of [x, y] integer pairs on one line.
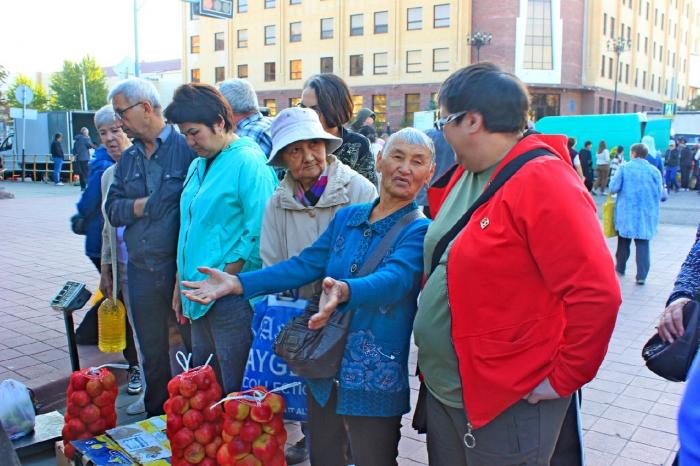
{"points": [[420, 422], [316, 354]]}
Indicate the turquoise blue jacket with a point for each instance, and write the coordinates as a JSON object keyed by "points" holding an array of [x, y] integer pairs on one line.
{"points": [[373, 376], [638, 186], [221, 213]]}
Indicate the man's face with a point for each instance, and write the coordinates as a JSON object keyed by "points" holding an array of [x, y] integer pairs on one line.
{"points": [[131, 117], [457, 136]]}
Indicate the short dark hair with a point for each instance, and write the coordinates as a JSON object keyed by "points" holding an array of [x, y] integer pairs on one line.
{"points": [[640, 150], [199, 103], [57, 136], [333, 98], [602, 146], [587, 143], [500, 97], [620, 149], [571, 142]]}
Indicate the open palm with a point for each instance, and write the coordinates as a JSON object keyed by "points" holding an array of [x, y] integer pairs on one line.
{"points": [[217, 285]]}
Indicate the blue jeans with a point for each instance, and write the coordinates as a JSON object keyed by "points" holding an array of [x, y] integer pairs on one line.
{"points": [[623, 253], [224, 331], [57, 164], [150, 296], [671, 180]]}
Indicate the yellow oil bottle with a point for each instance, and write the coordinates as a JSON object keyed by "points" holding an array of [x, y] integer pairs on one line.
{"points": [[111, 326]]}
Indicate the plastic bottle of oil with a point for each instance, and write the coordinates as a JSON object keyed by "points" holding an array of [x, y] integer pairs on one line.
{"points": [[111, 326]]}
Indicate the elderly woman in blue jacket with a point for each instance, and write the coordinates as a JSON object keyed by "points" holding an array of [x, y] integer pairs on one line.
{"points": [[639, 189], [221, 211], [365, 400]]}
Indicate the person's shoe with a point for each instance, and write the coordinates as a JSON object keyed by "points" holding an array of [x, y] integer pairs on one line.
{"points": [[639, 282], [59, 184], [136, 407], [297, 453], [134, 387]]}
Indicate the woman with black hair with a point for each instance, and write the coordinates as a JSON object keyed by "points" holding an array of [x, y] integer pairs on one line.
{"points": [[330, 97]]}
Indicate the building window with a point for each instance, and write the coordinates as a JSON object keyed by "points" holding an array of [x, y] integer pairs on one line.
{"points": [[270, 71], [295, 31], [543, 105], [219, 42], [358, 102], [634, 108], [413, 61], [294, 101], [381, 63], [381, 22], [294, 69], [612, 27], [627, 74], [295, 2], [646, 45], [605, 24], [242, 38], [270, 34], [653, 79], [602, 68], [415, 18], [412, 105], [242, 6], [441, 59], [195, 75], [194, 44], [610, 68], [194, 11], [271, 105], [270, 3], [242, 71], [601, 105], [538, 36], [636, 77], [625, 108], [356, 25], [379, 107], [326, 28], [356, 65], [609, 105], [326, 64], [219, 74], [441, 16], [644, 79]]}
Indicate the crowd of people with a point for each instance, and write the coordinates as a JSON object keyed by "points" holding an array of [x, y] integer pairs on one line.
{"points": [[207, 204]]}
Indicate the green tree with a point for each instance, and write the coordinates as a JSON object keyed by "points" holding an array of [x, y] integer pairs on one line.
{"points": [[695, 103], [40, 101], [4, 112], [67, 85]]}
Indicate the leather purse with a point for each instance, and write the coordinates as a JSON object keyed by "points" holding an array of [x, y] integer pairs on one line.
{"points": [[316, 354], [672, 361]]}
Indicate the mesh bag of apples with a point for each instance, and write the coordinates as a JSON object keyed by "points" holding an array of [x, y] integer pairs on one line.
{"points": [[90, 409]]}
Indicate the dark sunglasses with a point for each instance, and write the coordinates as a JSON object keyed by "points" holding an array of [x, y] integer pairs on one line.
{"points": [[442, 122]]}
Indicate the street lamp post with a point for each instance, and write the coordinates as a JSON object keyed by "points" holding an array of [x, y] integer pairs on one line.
{"points": [[618, 46], [478, 40]]}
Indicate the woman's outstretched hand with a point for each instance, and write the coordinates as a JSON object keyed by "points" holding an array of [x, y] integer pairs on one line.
{"points": [[334, 293], [217, 285]]}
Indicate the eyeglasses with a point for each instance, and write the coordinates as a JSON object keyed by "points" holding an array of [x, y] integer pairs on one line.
{"points": [[442, 122], [120, 113]]}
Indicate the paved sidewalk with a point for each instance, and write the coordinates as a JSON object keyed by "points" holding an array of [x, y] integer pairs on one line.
{"points": [[629, 414]]}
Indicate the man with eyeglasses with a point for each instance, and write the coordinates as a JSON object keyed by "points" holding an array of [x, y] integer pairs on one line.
{"points": [[145, 197], [523, 319]]}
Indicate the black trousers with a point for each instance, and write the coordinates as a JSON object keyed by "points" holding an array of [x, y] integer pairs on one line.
{"points": [[374, 440], [82, 169], [685, 175]]}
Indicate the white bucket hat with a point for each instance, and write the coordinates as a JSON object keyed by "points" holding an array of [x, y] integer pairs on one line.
{"points": [[297, 124]]}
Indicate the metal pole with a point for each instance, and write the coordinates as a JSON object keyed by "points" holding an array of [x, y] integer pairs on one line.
{"points": [[617, 78], [136, 40], [85, 99], [24, 133], [478, 49]]}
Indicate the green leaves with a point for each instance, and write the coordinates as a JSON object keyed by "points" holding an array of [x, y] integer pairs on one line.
{"points": [[67, 85], [41, 100]]}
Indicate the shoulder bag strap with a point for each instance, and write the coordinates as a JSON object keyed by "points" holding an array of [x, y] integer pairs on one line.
{"points": [[376, 256], [504, 175]]}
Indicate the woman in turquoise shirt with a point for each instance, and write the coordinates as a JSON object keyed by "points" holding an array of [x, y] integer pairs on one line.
{"points": [[366, 398], [221, 211]]}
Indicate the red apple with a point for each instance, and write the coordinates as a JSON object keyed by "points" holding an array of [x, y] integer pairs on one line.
{"points": [[73, 410], [201, 379], [78, 380], [199, 400], [277, 459], [109, 381], [249, 460], [187, 388], [192, 419], [238, 448], [214, 393], [205, 433], [69, 451], [75, 426], [212, 447], [194, 453], [223, 457], [237, 409], [174, 386], [80, 398], [275, 426], [265, 447], [98, 427], [261, 413], [281, 438], [182, 438], [207, 462], [90, 414], [179, 405], [275, 402], [226, 437], [212, 413], [93, 387], [104, 399], [250, 431], [111, 420], [232, 427], [173, 423]]}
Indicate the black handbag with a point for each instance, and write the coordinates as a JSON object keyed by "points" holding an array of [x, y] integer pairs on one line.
{"points": [[672, 360], [78, 224], [316, 354]]}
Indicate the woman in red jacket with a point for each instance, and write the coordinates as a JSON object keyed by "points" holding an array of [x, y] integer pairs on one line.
{"points": [[521, 300]]}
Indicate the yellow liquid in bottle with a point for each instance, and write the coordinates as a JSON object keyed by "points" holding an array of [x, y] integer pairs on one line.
{"points": [[111, 326]]}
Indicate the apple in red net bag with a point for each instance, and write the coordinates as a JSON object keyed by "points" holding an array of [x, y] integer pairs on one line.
{"points": [[90, 406], [253, 428], [194, 420]]}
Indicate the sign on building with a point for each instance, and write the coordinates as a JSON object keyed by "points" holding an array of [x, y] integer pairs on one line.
{"points": [[216, 8]]}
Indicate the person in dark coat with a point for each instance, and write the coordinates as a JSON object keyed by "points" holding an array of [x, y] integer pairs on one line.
{"points": [[586, 159], [81, 151], [57, 158], [686, 163], [672, 162]]}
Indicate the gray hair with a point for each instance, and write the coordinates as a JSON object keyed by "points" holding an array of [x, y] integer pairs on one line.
{"points": [[84, 131], [136, 90], [410, 136], [105, 116], [240, 95]]}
